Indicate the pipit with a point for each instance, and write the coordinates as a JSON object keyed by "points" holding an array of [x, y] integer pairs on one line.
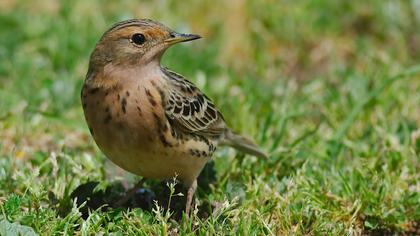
{"points": [[146, 118]]}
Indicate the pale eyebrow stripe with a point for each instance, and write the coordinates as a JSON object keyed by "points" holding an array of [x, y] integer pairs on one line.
{"points": [[124, 24], [133, 22]]}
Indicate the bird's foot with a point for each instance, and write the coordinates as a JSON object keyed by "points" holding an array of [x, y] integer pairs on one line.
{"points": [[190, 195]]}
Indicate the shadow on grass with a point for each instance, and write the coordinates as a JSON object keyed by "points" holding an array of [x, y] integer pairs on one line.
{"points": [[88, 199], [374, 226]]}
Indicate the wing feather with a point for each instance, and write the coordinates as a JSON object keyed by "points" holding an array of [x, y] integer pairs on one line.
{"points": [[189, 110]]}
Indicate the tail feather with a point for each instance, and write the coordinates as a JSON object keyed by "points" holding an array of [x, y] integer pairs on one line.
{"points": [[243, 144]]}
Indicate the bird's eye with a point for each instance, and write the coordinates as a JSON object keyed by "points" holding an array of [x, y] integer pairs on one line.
{"points": [[138, 39]]}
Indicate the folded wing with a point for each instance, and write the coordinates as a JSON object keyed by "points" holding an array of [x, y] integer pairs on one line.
{"points": [[191, 111]]}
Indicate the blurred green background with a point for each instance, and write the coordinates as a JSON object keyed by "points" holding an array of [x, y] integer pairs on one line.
{"points": [[311, 81]]}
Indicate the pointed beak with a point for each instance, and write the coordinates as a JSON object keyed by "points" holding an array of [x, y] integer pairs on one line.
{"points": [[178, 38]]}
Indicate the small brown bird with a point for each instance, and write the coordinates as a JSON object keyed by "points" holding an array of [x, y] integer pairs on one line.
{"points": [[145, 118]]}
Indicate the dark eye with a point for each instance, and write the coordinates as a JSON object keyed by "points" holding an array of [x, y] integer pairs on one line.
{"points": [[138, 39]]}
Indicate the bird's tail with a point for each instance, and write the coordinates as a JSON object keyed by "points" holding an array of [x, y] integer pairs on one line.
{"points": [[242, 144]]}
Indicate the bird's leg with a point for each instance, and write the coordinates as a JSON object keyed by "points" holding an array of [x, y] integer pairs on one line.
{"points": [[190, 195], [129, 193]]}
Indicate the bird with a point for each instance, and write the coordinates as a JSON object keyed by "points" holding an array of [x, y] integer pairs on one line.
{"points": [[147, 119]]}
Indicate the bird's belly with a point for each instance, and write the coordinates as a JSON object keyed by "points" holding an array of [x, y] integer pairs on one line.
{"points": [[142, 153], [156, 163]]}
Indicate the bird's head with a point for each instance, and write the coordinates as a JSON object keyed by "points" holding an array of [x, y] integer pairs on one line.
{"points": [[136, 42]]}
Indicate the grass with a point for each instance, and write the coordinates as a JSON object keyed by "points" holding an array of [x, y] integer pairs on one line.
{"points": [[330, 89]]}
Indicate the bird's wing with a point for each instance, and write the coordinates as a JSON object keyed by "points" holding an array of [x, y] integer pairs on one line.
{"points": [[189, 110]]}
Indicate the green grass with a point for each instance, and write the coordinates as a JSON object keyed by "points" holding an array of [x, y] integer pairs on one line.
{"points": [[330, 89]]}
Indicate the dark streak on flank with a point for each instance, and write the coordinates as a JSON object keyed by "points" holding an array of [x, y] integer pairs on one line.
{"points": [[139, 111], [127, 93], [150, 97], [158, 121], [164, 141], [123, 104], [160, 129], [192, 153], [147, 92], [197, 153], [209, 144], [161, 93], [152, 101]]}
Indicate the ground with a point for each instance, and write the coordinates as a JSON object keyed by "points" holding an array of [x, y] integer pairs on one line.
{"points": [[331, 89]]}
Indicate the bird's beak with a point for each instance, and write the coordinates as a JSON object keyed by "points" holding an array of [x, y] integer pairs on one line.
{"points": [[178, 38]]}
